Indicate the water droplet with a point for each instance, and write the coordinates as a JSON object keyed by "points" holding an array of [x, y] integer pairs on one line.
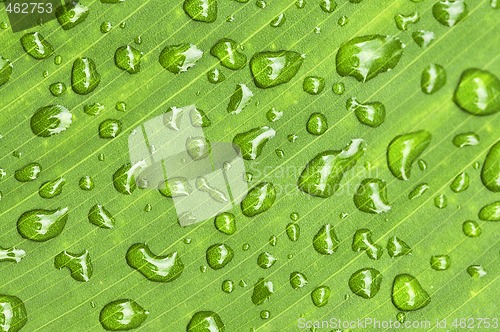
{"points": [[215, 76], [266, 260], [292, 138], [338, 88], [408, 294], [478, 92], [84, 76], [362, 241], [494, 4], [28, 172], [187, 240], [128, 58], [293, 231], [265, 314], [123, 25], [101, 217], [239, 99], [261, 4], [401, 317], [120, 106], [403, 21], [397, 247], [320, 296], [45, 74], [422, 165], [300, 4], [155, 268], [110, 128], [322, 175], [404, 150], [328, 6], [313, 85], [490, 173], [317, 124], [370, 113], [273, 115], [466, 139], [433, 78], [4, 25], [280, 153], [138, 40], [440, 201], [471, 228], [123, 178], [262, 290], [298, 280], [42, 225], [273, 240], [79, 265], [93, 109], [228, 53], [440, 262], [5, 70], [199, 118], [11, 255], [449, 12], [325, 241], [219, 255], [179, 58], [423, 38], [35, 45], [86, 183], [227, 286], [201, 10], [71, 14], [253, 141], [57, 89], [278, 21], [198, 147], [123, 314], [203, 269], [460, 183], [50, 120], [225, 223], [365, 282], [259, 199], [367, 56], [343, 20], [51, 189], [476, 271], [270, 69], [106, 27], [13, 313], [490, 212], [245, 247], [371, 196]]}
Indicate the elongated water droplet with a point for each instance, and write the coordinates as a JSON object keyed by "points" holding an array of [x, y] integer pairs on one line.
{"points": [[35, 45], [371, 196], [403, 151], [217, 195], [229, 54], [219, 255], [5, 70], [205, 321], [128, 58], [418, 191], [252, 142], [471, 228], [440, 201], [278, 21], [298, 280], [50, 120], [490, 212], [322, 175], [423, 38], [370, 113], [215, 76], [449, 12], [365, 282], [79, 265], [179, 58], [270, 69], [42, 225], [262, 290], [466, 139], [460, 183], [239, 99], [362, 241], [259, 199], [51, 189], [84, 76], [397, 247], [403, 21], [121, 315], [86, 183], [71, 14], [320, 296], [101, 217], [29, 172], [478, 92], [155, 268], [225, 223], [293, 231], [13, 313], [201, 10], [440, 262], [476, 271], [433, 78], [266, 260], [317, 124], [313, 85], [408, 294], [325, 241], [367, 56], [11, 255], [490, 174]]}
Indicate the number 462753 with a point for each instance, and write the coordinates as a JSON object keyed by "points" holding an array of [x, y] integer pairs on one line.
{"points": [[29, 8]]}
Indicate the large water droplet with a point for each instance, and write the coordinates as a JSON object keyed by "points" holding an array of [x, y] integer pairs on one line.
{"points": [[28, 172], [179, 58], [466, 139], [433, 78], [490, 174], [13, 313], [478, 92], [259, 199], [270, 69], [471, 228], [266, 260], [404, 150], [123, 178], [228, 53], [408, 294], [317, 124], [50, 120], [371, 196], [42, 225], [71, 14], [121, 315], [313, 85], [35, 45], [101, 217], [460, 183], [128, 58], [490, 212], [155, 268], [51, 189], [476, 271], [79, 265], [252, 142], [262, 290], [322, 175], [219, 255], [365, 282], [239, 99], [367, 56], [449, 12], [225, 223], [205, 321], [110, 128], [320, 296], [362, 241], [325, 241], [84, 76], [370, 113], [201, 10]]}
